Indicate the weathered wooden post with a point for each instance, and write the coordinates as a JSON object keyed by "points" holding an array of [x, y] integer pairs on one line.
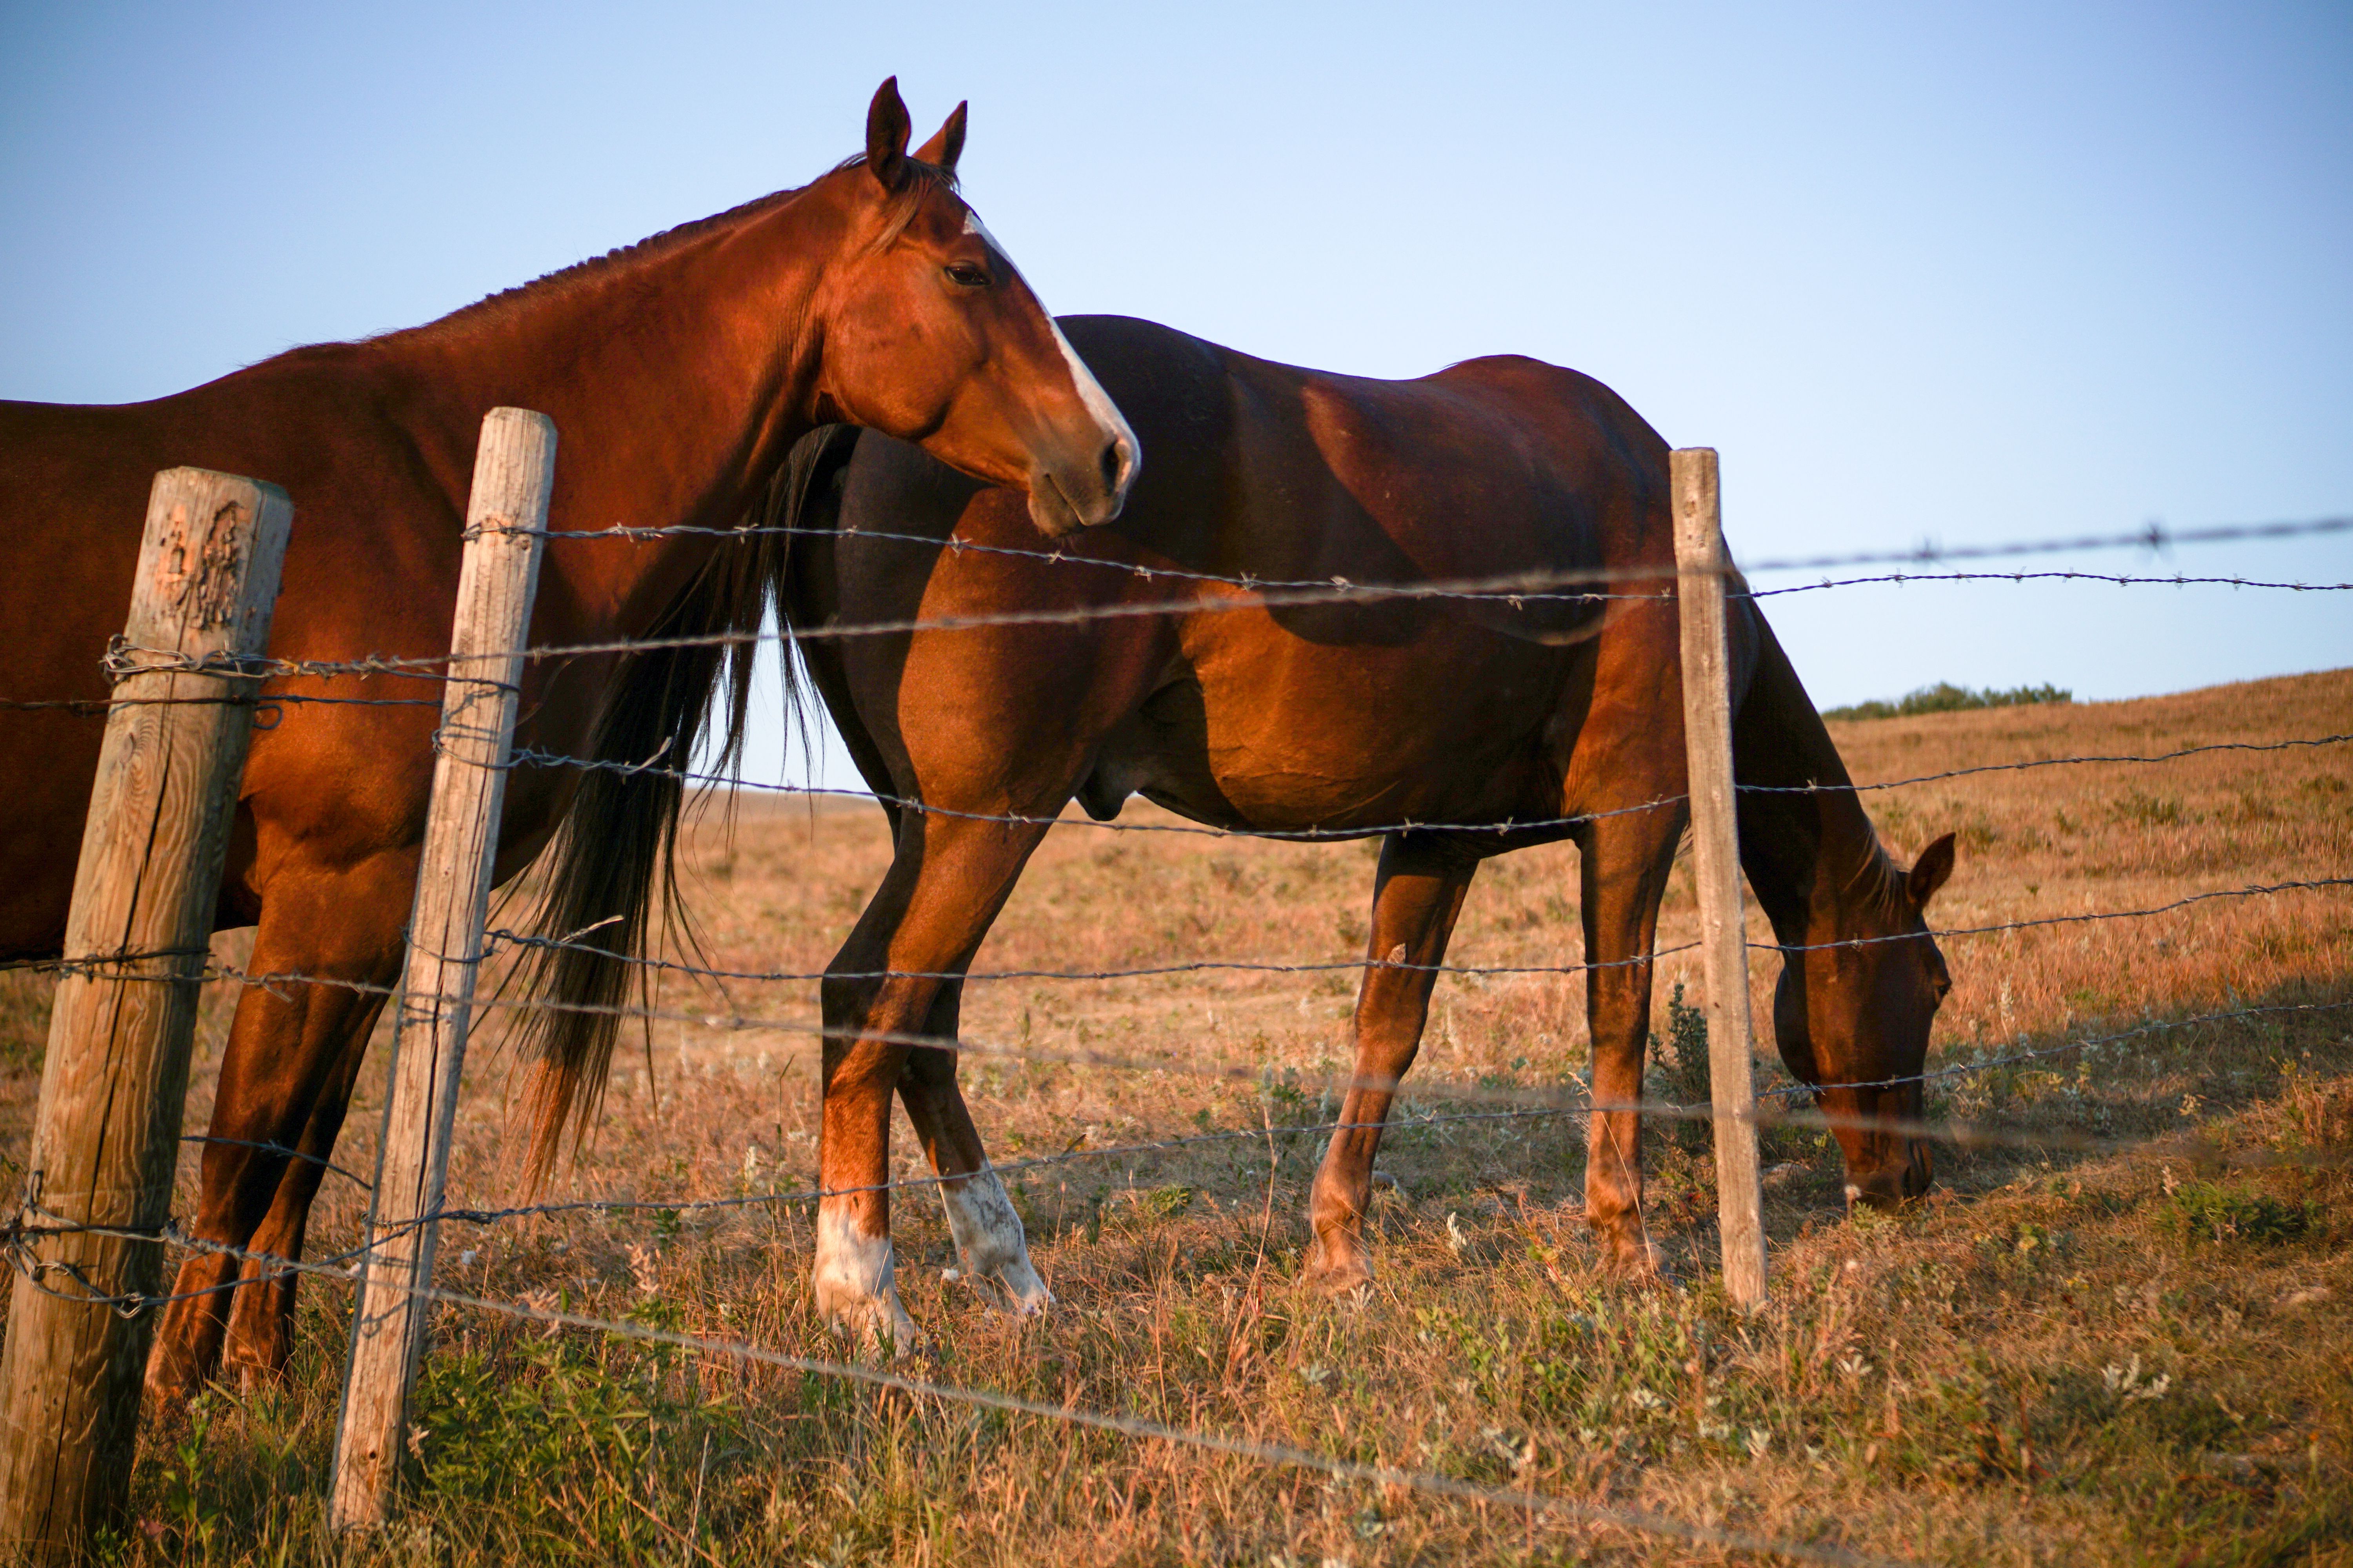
{"points": [[1702, 564], [106, 1137], [514, 468]]}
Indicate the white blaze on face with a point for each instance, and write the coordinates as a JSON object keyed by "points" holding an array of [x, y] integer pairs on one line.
{"points": [[989, 1242], [1092, 396]]}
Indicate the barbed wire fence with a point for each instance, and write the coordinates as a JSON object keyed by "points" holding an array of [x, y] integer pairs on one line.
{"points": [[1500, 1103]]}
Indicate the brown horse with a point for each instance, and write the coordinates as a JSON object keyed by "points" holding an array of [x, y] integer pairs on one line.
{"points": [[680, 373], [1560, 710]]}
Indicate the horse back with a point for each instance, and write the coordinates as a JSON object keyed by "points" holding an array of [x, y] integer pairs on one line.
{"points": [[1492, 469]]}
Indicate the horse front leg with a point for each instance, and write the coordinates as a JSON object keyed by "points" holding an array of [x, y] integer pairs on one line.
{"points": [[992, 1249], [1623, 865], [1418, 895], [947, 884], [293, 1051]]}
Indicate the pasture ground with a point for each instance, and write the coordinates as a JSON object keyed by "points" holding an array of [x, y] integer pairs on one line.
{"points": [[2069, 1355]]}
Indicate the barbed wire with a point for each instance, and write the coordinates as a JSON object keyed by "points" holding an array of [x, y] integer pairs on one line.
{"points": [[537, 757], [742, 1023], [2250, 890], [532, 757], [1063, 556], [1197, 967], [18, 1233], [2069, 1048], [2176, 581], [270, 1148], [1500, 587], [2171, 756], [1554, 1099], [1022, 1166]]}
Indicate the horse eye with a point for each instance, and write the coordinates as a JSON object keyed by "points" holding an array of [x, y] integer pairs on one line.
{"points": [[968, 274]]}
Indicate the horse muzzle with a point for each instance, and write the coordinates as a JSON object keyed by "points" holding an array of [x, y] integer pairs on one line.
{"points": [[1896, 1184], [1083, 493]]}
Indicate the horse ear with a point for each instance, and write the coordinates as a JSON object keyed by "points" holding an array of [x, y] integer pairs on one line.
{"points": [[1928, 872], [886, 135], [945, 148]]}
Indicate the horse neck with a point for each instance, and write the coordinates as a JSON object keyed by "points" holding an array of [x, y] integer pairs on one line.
{"points": [[678, 375], [1813, 858]]}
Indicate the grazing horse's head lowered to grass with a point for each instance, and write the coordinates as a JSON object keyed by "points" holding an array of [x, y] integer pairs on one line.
{"points": [[1861, 977], [1852, 1017]]}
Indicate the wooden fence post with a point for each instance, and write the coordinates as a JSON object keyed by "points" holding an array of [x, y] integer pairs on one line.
{"points": [[106, 1138], [1701, 564], [514, 468]]}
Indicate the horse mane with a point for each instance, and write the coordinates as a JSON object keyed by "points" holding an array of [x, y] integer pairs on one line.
{"points": [[615, 849], [1880, 882], [899, 211], [653, 248]]}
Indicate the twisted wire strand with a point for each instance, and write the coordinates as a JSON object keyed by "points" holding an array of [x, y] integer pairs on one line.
{"points": [[537, 757], [1563, 1100], [1501, 586], [2067, 1047], [2254, 890], [532, 757], [1011, 1168], [743, 1023], [2176, 581], [955, 544], [1200, 966]]}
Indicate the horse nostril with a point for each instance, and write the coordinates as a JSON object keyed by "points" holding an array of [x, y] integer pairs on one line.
{"points": [[1113, 460]]}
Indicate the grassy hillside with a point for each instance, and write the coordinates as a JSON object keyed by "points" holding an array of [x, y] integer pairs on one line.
{"points": [[2068, 1356]]}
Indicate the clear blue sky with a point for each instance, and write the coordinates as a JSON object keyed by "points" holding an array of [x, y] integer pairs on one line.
{"points": [[1968, 273]]}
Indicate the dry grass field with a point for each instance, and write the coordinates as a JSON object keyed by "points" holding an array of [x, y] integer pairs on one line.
{"points": [[2071, 1355]]}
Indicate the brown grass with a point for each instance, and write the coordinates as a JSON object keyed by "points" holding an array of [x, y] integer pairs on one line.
{"points": [[2064, 1357]]}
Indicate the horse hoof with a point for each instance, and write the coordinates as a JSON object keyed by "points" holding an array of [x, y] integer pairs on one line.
{"points": [[1340, 1274], [874, 1335], [1639, 1260], [1014, 1288], [877, 1326]]}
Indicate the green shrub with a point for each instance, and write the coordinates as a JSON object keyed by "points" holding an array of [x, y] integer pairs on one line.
{"points": [[2210, 1211], [1680, 1074], [1945, 697]]}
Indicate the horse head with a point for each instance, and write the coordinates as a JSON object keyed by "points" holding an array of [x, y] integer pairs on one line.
{"points": [[1852, 1017], [930, 333]]}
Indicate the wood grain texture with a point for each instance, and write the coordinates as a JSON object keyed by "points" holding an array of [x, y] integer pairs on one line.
{"points": [[106, 1135], [1701, 562], [514, 469]]}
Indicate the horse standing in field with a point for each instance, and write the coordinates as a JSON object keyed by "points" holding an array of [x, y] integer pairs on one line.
{"points": [[680, 373], [1560, 710]]}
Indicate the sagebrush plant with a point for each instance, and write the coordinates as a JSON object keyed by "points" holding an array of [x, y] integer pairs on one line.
{"points": [[2065, 1356]]}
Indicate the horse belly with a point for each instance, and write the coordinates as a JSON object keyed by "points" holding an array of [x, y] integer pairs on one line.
{"points": [[1342, 737]]}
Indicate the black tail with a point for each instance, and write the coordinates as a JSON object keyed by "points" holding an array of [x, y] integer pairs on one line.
{"points": [[616, 843]]}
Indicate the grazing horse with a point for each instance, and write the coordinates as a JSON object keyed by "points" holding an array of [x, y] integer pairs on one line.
{"points": [[1561, 711], [680, 375]]}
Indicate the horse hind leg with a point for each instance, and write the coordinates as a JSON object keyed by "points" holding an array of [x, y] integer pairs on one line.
{"points": [[260, 1331], [1418, 895], [992, 1249], [289, 1046]]}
